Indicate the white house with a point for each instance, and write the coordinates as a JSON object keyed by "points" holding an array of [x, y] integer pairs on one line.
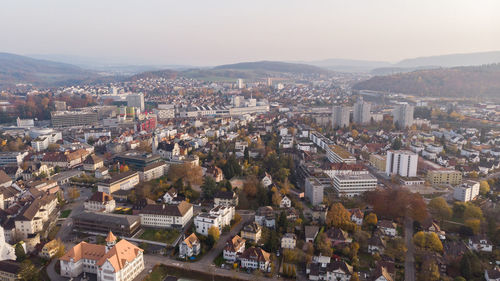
{"points": [[219, 217], [267, 180], [100, 202], [285, 202], [189, 247], [480, 243], [388, 228], [166, 216], [234, 248], [467, 191], [288, 241], [265, 217], [256, 258]]}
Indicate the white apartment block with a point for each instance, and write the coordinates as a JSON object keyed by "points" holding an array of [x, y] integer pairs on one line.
{"points": [[467, 191], [340, 116], [401, 162], [219, 217], [362, 112], [403, 115], [314, 191]]}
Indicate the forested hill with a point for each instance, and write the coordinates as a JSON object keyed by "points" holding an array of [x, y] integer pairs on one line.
{"points": [[467, 81]]}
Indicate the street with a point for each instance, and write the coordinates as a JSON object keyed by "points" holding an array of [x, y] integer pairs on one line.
{"points": [[410, 258]]}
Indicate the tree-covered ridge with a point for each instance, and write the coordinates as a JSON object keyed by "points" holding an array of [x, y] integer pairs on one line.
{"points": [[468, 81]]}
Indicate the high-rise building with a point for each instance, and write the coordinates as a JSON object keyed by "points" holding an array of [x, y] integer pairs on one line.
{"points": [[340, 116], [403, 115], [269, 81], [467, 191], [73, 118], [136, 100], [362, 112], [401, 162], [314, 190], [240, 84]]}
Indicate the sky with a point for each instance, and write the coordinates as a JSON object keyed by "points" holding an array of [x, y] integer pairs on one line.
{"points": [[212, 32]]}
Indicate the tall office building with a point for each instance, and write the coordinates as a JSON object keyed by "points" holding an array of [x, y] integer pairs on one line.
{"points": [[401, 162], [403, 115], [314, 190], [136, 100], [362, 112], [340, 116]]}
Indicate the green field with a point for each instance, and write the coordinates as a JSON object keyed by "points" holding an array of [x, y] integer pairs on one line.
{"points": [[65, 214], [160, 235]]}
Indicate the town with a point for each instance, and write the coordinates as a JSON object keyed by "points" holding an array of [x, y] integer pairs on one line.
{"points": [[286, 178]]}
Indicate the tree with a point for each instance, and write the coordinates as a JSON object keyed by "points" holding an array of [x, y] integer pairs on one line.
{"points": [[20, 253], [338, 216], [484, 187], [397, 144], [354, 133], [324, 245], [251, 186], [214, 232], [440, 208], [473, 212], [124, 168], [354, 277], [429, 271], [28, 271], [432, 242], [209, 187], [370, 220], [419, 239], [473, 224], [60, 248]]}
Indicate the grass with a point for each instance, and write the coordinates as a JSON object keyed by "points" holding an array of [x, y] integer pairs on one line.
{"points": [[65, 214], [160, 235]]}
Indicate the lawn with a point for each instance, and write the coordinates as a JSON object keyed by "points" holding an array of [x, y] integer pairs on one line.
{"points": [[219, 260], [160, 235], [65, 214]]}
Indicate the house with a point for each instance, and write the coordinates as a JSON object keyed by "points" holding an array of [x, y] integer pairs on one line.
{"points": [[311, 231], [168, 150], [432, 226], [492, 274], [267, 180], [234, 248], [189, 247], [166, 216], [357, 216], [382, 274], [13, 171], [32, 216], [376, 244], [338, 236], [123, 225], [170, 196], [100, 202], [215, 173], [9, 270], [335, 270], [319, 213], [92, 163], [288, 241], [7, 251], [388, 228], [256, 258], [252, 231], [226, 198], [50, 249], [119, 261], [480, 243], [265, 216], [285, 202]]}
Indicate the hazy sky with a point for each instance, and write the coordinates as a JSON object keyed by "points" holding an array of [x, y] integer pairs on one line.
{"points": [[209, 32]]}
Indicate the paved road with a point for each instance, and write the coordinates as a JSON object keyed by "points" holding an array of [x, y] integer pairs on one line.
{"points": [[410, 258], [51, 272]]}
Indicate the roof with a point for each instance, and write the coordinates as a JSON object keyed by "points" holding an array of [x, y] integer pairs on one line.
{"points": [[154, 165], [225, 194], [311, 231], [252, 227], [386, 224], [10, 266], [167, 210], [235, 243], [32, 209], [116, 177], [101, 197], [84, 250], [123, 252], [493, 273], [256, 254], [4, 178], [92, 159], [191, 239], [111, 237], [105, 218]]}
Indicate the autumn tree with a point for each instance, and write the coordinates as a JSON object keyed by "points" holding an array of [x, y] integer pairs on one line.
{"points": [[402, 203], [429, 271], [214, 232], [28, 272], [474, 224], [370, 220], [484, 187], [338, 216], [429, 240], [251, 186], [440, 208], [324, 245]]}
